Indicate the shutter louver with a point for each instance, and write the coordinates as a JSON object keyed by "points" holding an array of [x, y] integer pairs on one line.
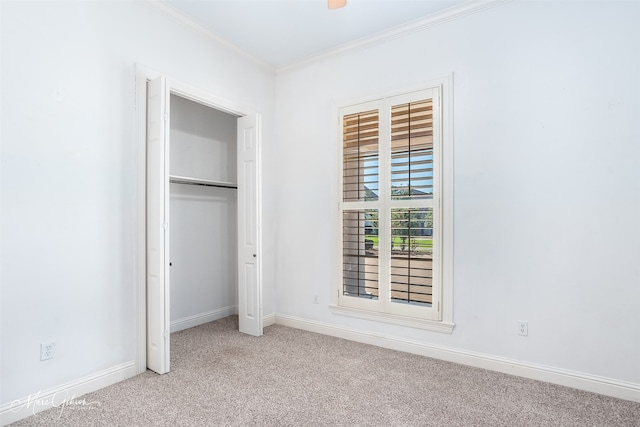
{"points": [[360, 253], [412, 150], [360, 156], [412, 255]]}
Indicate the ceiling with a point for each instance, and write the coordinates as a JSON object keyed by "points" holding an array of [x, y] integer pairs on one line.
{"points": [[282, 32]]}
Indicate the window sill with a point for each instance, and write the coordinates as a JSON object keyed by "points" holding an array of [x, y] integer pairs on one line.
{"points": [[427, 325]]}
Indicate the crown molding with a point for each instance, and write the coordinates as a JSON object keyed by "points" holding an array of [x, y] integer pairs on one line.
{"points": [[420, 24], [446, 15], [189, 22]]}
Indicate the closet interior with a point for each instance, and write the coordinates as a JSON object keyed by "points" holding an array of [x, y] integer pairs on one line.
{"points": [[203, 214]]}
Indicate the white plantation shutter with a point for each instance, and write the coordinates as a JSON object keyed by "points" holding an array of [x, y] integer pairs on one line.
{"points": [[412, 150], [360, 253], [412, 262], [360, 156], [390, 205]]}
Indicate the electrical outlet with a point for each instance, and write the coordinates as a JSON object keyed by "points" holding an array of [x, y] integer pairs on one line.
{"points": [[315, 298], [523, 328], [47, 350]]}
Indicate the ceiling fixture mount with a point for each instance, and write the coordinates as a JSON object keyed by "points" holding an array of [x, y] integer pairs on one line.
{"points": [[337, 4]]}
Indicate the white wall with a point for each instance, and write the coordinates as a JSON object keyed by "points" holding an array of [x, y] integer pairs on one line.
{"points": [[203, 248], [203, 236], [70, 167], [203, 141], [547, 180]]}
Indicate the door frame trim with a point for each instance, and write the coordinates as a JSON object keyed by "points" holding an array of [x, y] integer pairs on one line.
{"points": [[176, 87]]}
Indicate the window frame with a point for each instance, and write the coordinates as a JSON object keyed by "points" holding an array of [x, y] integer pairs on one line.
{"points": [[438, 317]]}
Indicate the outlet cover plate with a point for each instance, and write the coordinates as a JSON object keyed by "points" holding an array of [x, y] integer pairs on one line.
{"points": [[47, 350], [523, 328]]}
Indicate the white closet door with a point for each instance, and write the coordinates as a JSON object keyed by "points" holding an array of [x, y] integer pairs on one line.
{"points": [[249, 225], [157, 225]]}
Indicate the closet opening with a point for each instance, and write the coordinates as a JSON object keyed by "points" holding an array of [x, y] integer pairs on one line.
{"points": [[202, 215]]}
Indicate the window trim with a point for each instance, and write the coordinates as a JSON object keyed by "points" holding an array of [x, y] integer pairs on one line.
{"points": [[445, 324]]}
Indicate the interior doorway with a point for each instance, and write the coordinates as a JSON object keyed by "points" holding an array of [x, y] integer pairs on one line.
{"points": [[190, 170]]}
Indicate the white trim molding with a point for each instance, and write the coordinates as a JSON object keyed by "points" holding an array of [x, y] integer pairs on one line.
{"points": [[184, 90], [65, 395], [268, 320], [202, 318], [432, 20], [419, 24], [189, 22], [394, 319], [438, 317], [578, 380]]}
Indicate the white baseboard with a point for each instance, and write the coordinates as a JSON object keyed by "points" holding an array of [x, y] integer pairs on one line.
{"points": [[578, 380], [69, 393], [268, 320], [65, 395], [202, 318]]}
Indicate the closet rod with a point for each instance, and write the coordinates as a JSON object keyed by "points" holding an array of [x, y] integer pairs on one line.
{"points": [[175, 181], [195, 181]]}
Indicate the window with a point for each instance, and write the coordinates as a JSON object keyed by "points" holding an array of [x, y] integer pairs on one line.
{"points": [[391, 207]]}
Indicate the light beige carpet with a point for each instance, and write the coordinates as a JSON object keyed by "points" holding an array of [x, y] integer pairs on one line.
{"points": [[289, 377]]}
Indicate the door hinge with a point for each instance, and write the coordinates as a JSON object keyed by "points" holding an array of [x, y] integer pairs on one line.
{"points": [[164, 225], [165, 116], [165, 335]]}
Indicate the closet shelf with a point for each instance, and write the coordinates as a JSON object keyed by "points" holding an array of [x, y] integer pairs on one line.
{"points": [[176, 179]]}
